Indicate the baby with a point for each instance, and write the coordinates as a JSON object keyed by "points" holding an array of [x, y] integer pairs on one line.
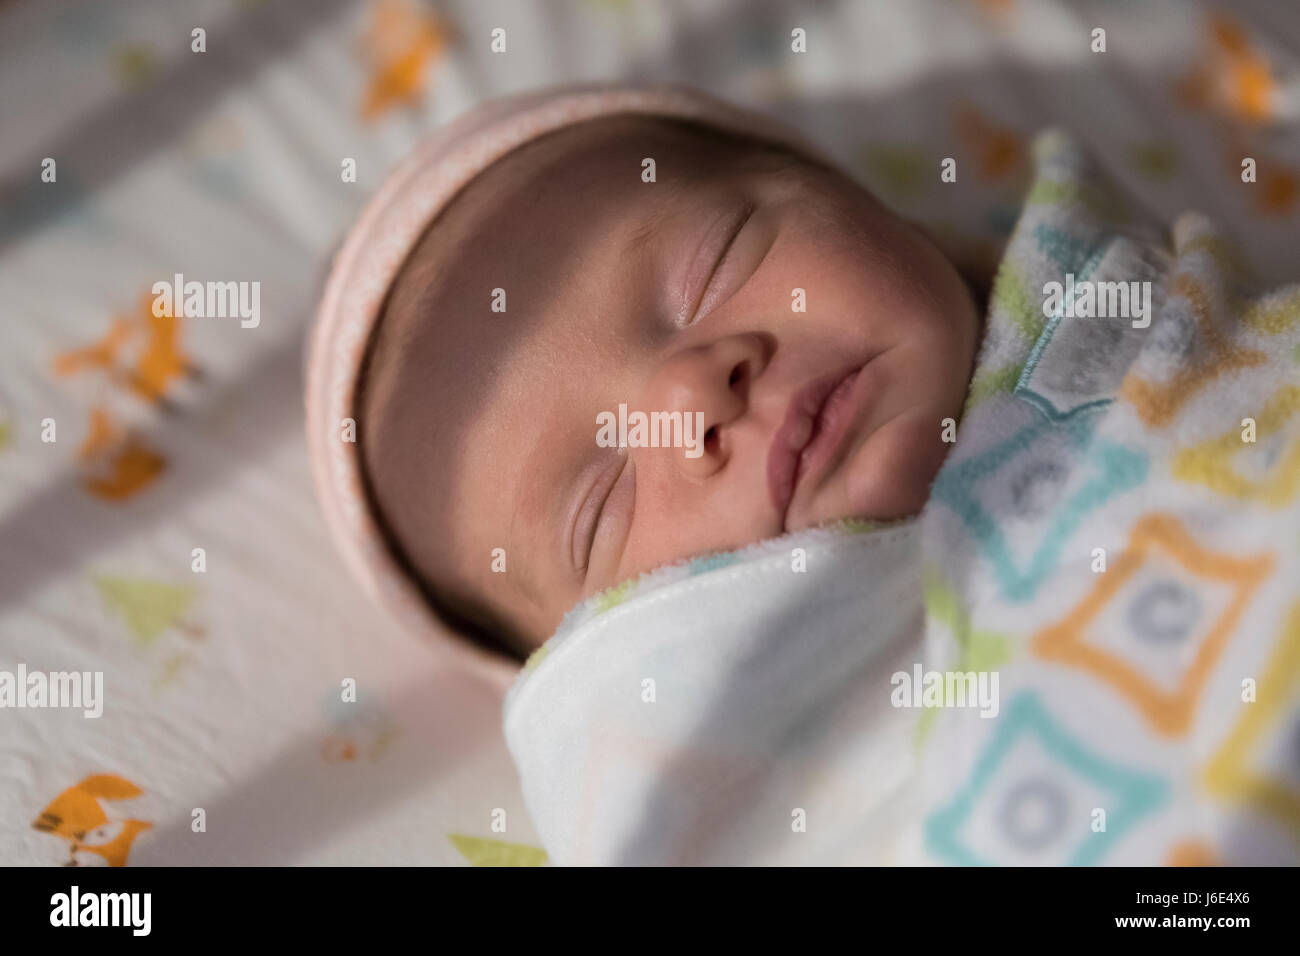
{"points": [[1070, 657], [819, 339]]}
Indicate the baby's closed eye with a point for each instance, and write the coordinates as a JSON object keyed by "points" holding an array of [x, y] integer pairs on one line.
{"points": [[599, 509], [702, 289]]}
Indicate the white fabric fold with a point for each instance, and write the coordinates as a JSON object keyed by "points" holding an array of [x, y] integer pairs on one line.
{"points": [[732, 710]]}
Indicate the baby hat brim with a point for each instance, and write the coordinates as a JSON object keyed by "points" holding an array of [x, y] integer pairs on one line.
{"points": [[371, 257]]}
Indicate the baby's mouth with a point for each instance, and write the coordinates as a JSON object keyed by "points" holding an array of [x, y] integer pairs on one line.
{"points": [[815, 426]]}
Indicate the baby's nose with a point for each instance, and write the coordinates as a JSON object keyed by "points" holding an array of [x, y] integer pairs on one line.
{"points": [[708, 386]]}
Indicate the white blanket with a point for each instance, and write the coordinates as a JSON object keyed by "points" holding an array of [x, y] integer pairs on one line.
{"points": [[735, 709]]}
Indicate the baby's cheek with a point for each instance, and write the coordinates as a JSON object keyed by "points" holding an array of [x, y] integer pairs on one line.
{"points": [[677, 519], [890, 475]]}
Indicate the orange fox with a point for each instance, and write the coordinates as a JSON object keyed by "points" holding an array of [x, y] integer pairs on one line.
{"points": [[159, 360], [123, 464], [77, 816]]}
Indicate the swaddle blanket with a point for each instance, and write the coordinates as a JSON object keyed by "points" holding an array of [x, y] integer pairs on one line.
{"points": [[733, 709], [1117, 534]]}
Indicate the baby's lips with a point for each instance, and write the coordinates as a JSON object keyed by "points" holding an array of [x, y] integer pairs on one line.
{"points": [[807, 427]]}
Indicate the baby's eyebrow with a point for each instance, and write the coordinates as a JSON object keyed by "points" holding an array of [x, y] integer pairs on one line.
{"points": [[654, 220], [643, 232]]}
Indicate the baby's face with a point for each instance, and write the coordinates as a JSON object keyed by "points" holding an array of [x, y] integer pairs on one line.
{"points": [[480, 428]]}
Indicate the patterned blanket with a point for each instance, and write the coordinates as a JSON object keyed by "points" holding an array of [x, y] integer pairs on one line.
{"points": [[1117, 535]]}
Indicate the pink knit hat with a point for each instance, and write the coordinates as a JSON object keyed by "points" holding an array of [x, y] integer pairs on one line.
{"points": [[371, 257]]}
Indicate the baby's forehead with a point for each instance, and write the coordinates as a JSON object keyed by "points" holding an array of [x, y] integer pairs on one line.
{"points": [[563, 191], [619, 150], [526, 232], [585, 166]]}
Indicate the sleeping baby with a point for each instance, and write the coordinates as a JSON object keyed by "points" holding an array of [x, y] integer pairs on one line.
{"points": [[742, 643]]}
